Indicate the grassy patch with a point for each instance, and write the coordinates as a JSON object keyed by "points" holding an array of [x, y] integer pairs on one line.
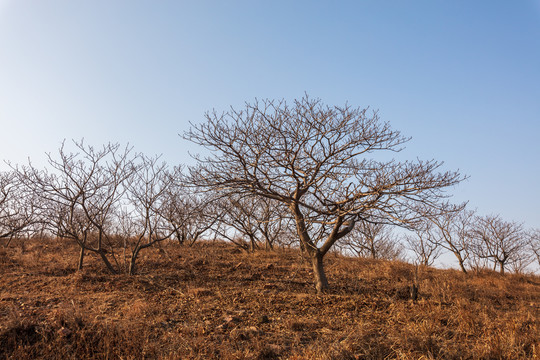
{"points": [[213, 302]]}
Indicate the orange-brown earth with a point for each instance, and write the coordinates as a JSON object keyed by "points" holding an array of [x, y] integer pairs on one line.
{"points": [[212, 301]]}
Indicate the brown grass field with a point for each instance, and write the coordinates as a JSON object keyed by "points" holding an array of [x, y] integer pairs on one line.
{"points": [[212, 301]]}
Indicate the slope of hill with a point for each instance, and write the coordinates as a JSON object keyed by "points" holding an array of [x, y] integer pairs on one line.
{"points": [[212, 301]]}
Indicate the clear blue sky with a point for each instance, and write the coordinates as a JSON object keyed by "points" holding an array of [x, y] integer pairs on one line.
{"points": [[461, 77]]}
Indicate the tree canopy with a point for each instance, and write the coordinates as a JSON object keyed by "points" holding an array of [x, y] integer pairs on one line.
{"points": [[321, 162]]}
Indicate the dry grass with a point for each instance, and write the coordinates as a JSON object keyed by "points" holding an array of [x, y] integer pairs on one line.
{"points": [[214, 302]]}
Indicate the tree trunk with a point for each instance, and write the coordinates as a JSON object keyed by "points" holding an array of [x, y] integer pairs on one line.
{"points": [[268, 244], [462, 266], [501, 267], [81, 259], [373, 251], [8, 241], [132, 268], [133, 261], [302, 247], [321, 282], [107, 262], [252, 245], [461, 262]]}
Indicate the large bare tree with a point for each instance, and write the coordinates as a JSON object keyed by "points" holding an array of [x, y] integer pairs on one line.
{"points": [[318, 161]]}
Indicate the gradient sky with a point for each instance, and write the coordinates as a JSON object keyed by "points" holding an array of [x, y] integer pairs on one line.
{"points": [[461, 77]]}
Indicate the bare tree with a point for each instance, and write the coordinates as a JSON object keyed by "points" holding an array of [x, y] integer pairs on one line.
{"points": [[238, 223], [273, 222], [534, 242], [80, 194], [147, 194], [451, 230], [530, 252], [376, 241], [258, 220], [315, 160], [423, 244], [501, 242], [189, 214], [17, 207]]}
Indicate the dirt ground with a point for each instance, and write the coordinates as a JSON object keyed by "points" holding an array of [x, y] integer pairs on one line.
{"points": [[212, 301]]}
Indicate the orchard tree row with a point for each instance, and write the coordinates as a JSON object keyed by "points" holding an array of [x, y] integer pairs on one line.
{"points": [[276, 174]]}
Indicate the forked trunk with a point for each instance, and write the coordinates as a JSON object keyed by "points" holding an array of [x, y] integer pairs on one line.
{"points": [[321, 282], [268, 245]]}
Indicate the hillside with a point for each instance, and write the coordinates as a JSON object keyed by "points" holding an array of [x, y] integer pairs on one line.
{"points": [[212, 301]]}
